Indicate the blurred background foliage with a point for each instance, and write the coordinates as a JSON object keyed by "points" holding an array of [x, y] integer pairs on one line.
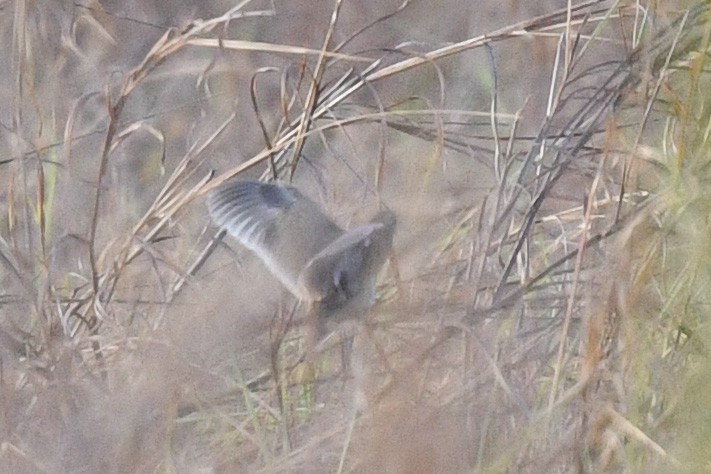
{"points": [[546, 309]]}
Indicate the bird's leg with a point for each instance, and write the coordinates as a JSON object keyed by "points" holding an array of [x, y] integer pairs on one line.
{"points": [[345, 331]]}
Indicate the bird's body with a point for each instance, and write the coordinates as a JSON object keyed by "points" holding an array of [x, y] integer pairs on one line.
{"points": [[315, 259]]}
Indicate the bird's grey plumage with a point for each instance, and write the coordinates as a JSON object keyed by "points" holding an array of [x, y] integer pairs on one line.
{"points": [[313, 257]]}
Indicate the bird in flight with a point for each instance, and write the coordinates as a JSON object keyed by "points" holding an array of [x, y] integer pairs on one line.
{"points": [[315, 259]]}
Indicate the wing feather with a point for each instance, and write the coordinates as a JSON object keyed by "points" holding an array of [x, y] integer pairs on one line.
{"points": [[281, 226]]}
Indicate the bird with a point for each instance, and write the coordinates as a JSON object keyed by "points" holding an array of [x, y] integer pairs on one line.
{"points": [[314, 259]]}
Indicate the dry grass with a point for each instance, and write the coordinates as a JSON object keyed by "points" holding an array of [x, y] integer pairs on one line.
{"points": [[545, 309]]}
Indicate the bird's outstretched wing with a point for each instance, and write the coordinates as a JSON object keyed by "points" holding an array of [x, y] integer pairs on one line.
{"points": [[281, 226]]}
